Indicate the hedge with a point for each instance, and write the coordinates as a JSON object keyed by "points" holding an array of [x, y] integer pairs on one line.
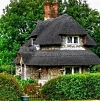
{"points": [[10, 90], [73, 87]]}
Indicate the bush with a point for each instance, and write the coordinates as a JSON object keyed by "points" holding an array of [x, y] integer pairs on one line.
{"points": [[10, 90], [73, 87], [96, 68], [10, 69], [23, 83]]}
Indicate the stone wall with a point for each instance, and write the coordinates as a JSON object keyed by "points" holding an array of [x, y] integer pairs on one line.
{"points": [[42, 75]]}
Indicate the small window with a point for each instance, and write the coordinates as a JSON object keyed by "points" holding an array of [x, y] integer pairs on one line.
{"points": [[22, 65], [69, 40], [68, 70], [72, 70], [75, 39], [76, 70], [72, 39]]}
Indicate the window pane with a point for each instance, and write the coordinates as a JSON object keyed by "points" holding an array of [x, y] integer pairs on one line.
{"points": [[75, 39], [76, 70], [68, 71], [69, 40]]}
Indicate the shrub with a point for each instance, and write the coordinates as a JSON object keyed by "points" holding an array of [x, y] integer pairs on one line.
{"points": [[10, 69], [96, 68], [10, 90], [27, 85], [73, 87], [25, 82]]}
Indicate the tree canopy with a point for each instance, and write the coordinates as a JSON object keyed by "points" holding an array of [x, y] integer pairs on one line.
{"points": [[20, 18]]}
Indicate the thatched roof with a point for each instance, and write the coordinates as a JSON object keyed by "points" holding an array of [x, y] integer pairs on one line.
{"points": [[60, 57], [28, 43], [90, 41], [49, 32]]}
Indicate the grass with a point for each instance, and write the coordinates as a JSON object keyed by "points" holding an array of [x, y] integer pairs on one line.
{"points": [[65, 100], [39, 99], [31, 98]]}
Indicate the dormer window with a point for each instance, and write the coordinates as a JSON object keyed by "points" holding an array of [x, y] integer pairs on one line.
{"points": [[69, 39], [72, 43], [32, 41], [72, 39]]}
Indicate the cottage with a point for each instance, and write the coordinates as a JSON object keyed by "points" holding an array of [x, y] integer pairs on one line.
{"points": [[58, 45]]}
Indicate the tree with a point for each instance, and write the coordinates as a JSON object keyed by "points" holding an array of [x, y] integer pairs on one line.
{"points": [[20, 18], [17, 22], [88, 18]]}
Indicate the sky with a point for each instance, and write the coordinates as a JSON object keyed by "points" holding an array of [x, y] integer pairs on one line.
{"points": [[94, 4], [3, 3]]}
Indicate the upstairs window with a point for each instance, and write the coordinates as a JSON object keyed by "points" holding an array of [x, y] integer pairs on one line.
{"points": [[69, 39], [72, 39], [75, 39]]}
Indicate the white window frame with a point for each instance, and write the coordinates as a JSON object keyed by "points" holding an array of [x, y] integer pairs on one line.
{"points": [[79, 70], [73, 69], [72, 39]]}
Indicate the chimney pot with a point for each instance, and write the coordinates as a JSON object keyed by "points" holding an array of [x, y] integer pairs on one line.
{"points": [[47, 10], [55, 6], [51, 10]]}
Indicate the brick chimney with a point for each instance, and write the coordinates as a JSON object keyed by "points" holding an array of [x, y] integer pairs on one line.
{"points": [[55, 6], [47, 10], [51, 10]]}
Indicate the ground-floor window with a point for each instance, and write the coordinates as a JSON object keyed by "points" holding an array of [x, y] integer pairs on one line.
{"points": [[68, 70], [77, 70], [72, 70]]}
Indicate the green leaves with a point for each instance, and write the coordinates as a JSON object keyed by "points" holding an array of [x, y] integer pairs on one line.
{"points": [[16, 24], [10, 90], [20, 17], [73, 87]]}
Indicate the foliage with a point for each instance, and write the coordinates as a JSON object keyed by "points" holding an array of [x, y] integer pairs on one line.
{"points": [[17, 22], [10, 89], [7, 69], [25, 82], [73, 87], [96, 68], [29, 87], [20, 18], [28, 81], [88, 18]]}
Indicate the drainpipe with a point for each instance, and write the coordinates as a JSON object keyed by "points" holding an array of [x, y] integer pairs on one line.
{"points": [[24, 72]]}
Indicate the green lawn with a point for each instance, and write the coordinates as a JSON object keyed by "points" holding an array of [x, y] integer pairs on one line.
{"points": [[60, 100]]}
